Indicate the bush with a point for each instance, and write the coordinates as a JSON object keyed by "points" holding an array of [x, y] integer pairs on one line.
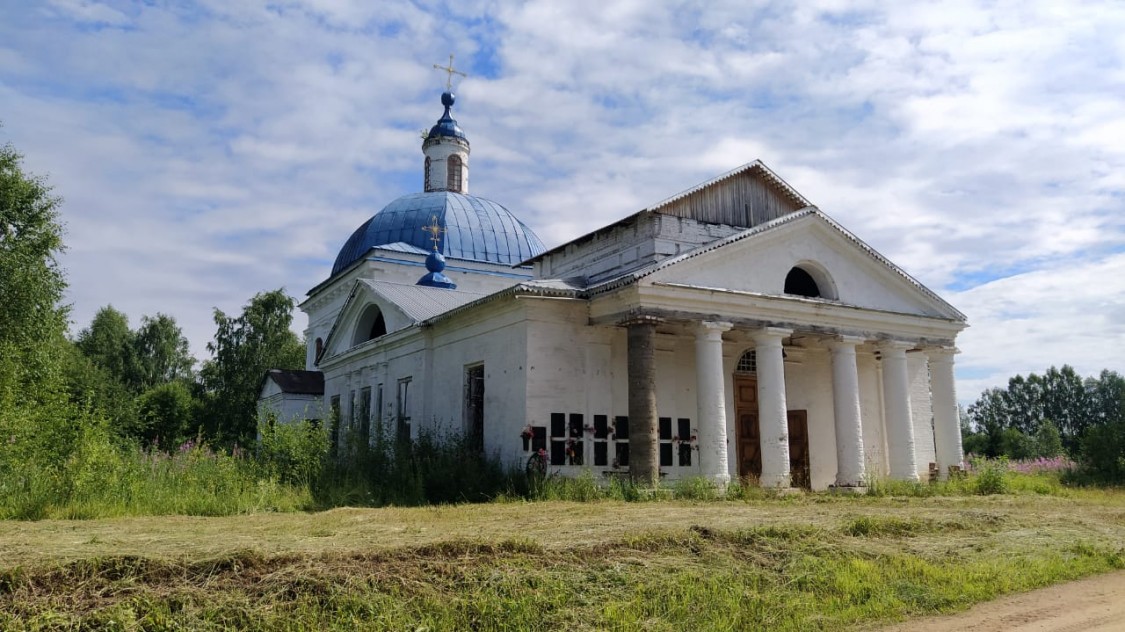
{"points": [[990, 476], [1103, 454]]}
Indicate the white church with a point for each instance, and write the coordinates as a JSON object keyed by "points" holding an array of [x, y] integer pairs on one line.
{"points": [[732, 331]]}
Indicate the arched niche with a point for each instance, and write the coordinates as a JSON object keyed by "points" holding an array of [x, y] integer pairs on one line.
{"points": [[371, 325], [810, 280]]}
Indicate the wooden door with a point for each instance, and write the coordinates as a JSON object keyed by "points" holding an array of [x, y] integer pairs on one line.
{"points": [[747, 432], [799, 448]]}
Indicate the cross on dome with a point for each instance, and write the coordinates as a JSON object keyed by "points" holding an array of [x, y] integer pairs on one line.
{"points": [[450, 71], [435, 230]]}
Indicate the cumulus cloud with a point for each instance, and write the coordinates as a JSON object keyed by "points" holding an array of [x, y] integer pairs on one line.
{"points": [[210, 150]]}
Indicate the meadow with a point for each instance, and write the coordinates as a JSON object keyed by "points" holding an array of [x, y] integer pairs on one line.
{"points": [[684, 559]]}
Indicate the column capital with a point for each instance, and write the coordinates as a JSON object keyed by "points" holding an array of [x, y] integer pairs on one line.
{"points": [[712, 327], [845, 342], [941, 354], [770, 334], [639, 319], [895, 345]]}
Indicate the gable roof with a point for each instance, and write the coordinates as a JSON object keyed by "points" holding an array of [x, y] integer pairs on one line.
{"points": [[757, 167], [811, 211], [667, 206], [416, 302], [295, 381], [420, 302]]}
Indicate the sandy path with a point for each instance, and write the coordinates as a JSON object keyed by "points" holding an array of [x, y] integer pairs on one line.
{"points": [[1096, 604]]}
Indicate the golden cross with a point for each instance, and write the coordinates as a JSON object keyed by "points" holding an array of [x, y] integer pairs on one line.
{"points": [[435, 230], [450, 71]]}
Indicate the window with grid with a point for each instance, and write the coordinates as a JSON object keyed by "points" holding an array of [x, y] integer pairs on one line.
{"points": [[748, 363]]}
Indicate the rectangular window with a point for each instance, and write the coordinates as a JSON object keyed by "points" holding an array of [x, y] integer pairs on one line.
{"points": [[349, 422], [377, 415], [621, 441], [558, 438], [403, 412], [365, 416], [474, 406], [334, 414], [686, 441], [576, 443], [538, 438], [666, 442], [601, 440]]}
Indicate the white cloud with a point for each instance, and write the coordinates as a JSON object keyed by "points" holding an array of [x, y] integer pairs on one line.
{"points": [[208, 151]]}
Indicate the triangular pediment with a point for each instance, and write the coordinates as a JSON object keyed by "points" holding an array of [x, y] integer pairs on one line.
{"points": [[359, 307], [745, 197], [845, 270]]}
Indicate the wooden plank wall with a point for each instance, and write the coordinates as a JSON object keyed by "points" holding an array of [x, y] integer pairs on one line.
{"points": [[745, 200]]}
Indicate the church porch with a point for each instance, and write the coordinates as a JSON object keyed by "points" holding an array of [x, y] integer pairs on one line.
{"points": [[785, 406]]}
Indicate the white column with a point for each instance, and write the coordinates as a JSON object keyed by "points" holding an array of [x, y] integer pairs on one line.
{"points": [[947, 424], [711, 401], [896, 409], [845, 405], [772, 418]]}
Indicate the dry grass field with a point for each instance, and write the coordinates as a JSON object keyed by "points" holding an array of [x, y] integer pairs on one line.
{"points": [[790, 563]]}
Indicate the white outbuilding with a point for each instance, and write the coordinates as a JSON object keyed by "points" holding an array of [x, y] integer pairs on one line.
{"points": [[732, 331]]}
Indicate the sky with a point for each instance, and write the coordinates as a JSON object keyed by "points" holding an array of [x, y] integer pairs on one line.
{"points": [[208, 150]]}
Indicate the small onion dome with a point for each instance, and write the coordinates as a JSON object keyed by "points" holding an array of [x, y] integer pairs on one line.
{"points": [[435, 263], [446, 125]]}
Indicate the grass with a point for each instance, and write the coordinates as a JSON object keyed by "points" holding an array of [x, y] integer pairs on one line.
{"points": [[792, 563]]}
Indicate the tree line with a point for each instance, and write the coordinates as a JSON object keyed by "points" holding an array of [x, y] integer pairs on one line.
{"points": [[1053, 414], [138, 385]]}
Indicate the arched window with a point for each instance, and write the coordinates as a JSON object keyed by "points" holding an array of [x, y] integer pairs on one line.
{"points": [[748, 363], [801, 283], [319, 349], [453, 173], [426, 186], [371, 325], [810, 279]]}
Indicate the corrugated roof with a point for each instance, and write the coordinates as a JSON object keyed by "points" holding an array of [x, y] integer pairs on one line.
{"points": [[419, 302], [297, 382]]}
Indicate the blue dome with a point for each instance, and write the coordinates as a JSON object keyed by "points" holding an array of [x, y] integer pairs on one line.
{"points": [[475, 229]]}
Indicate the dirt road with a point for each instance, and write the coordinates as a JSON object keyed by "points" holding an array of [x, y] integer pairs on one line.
{"points": [[1096, 604]]}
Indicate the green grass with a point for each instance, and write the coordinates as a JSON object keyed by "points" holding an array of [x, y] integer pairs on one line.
{"points": [[792, 563]]}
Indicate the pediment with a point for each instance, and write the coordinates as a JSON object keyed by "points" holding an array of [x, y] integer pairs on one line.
{"points": [[359, 308], [845, 270]]}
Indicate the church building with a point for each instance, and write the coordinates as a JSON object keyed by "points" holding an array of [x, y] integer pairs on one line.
{"points": [[732, 331]]}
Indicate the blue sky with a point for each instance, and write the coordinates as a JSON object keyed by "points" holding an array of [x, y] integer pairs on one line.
{"points": [[209, 150]]}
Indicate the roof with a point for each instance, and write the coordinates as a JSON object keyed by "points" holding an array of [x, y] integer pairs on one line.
{"points": [[757, 167], [575, 288], [474, 228], [810, 211], [297, 382], [420, 302]]}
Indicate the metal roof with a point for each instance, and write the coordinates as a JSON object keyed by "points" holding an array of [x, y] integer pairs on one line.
{"points": [[296, 381], [420, 302], [475, 229]]}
